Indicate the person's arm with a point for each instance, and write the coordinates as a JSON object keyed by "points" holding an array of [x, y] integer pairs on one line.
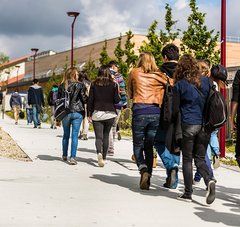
{"points": [[116, 97], [90, 103], [20, 101], [234, 101], [10, 102], [42, 98], [83, 93]]}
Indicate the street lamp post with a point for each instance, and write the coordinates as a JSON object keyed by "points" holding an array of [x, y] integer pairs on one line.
{"points": [[72, 14], [35, 50], [17, 66], [223, 62]]}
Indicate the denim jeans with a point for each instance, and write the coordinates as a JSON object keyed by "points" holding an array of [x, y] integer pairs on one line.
{"points": [[36, 119], [29, 112], [144, 128], [169, 160], [194, 146], [212, 149], [102, 130], [74, 120]]}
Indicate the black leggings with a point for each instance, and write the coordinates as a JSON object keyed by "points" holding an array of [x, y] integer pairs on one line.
{"points": [[102, 129]]}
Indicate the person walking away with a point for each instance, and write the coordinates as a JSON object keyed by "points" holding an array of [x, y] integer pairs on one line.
{"points": [[235, 114], [29, 112], [85, 124], [219, 77], [118, 78], [52, 97], [170, 159], [76, 112], [103, 95], [16, 105], [146, 89], [193, 89], [36, 101]]}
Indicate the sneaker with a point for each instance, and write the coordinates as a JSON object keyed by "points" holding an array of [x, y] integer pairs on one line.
{"points": [[100, 160], [133, 158], [39, 126], [196, 183], [144, 181], [55, 127], [84, 137], [16, 123], [51, 127], [110, 153], [35, 126], [72, 161], [64, 158], [119, 136], [216, 162], [210, 196], [167, 183], [184, 197]]}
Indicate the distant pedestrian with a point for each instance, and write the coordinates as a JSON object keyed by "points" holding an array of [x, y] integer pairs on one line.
{"points": [[235, 114], [118, 78], [146, 89], [52, 97], [193, 89], [36, 101], [104, 94], [16, 105], [72, 121], [85, 124]]}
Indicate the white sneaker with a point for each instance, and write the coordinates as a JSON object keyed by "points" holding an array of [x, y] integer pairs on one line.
{"points": [[100, 160]]}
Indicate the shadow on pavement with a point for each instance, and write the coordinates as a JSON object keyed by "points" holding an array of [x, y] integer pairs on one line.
{"points": [[87, 150], [210, 215], [49, 158], [132, 183]]}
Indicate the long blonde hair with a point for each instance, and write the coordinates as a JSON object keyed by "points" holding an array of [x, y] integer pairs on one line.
{"points": [[147, 62], [71, 75]]}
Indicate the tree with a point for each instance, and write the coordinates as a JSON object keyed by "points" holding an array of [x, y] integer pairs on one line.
{"points": [[169, 36], [197, 40], [3, 58], [104, 59], [119, 54], [154, 44], [90, 68], [131, 57]]}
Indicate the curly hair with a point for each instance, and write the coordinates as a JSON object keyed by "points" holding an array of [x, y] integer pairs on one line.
{"points": [[188, 69]]}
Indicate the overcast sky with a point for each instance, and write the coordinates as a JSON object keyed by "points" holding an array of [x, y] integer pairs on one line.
{"points": [[44, 23]]}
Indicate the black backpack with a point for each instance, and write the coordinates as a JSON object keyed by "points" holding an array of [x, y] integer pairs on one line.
{"points": [[167, 107], [215, 110]]}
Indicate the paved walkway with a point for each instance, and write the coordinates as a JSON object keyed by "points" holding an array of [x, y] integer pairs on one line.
{"points": [[48, 192]]}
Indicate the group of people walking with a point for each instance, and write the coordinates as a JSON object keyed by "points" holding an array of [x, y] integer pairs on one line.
{"points": [[100, 102]]}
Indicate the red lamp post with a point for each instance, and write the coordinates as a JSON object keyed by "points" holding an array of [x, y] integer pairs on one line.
{"points": [[35, 50], [223, 62], [72, 14]]}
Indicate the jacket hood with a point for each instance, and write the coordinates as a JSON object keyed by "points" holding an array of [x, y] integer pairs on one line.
{"points": [[169, 68], [35, 86]]}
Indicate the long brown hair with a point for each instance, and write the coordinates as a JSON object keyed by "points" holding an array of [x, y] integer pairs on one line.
{"points": [[104, 77], [71, 75], [188, 69], [147, 63]]}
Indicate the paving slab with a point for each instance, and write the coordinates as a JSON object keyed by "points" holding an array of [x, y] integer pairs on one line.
{"points": [[49, 192]]}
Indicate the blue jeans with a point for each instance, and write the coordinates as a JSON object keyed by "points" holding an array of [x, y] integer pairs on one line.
{"points": [[169, 160], [36, 120], [144, 128], [74, 120], [29, 115], [213, 148]]}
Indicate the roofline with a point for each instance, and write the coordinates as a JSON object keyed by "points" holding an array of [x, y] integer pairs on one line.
{"points": [[14, 61]]}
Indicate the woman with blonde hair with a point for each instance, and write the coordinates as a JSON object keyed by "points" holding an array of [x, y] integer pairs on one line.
{"points": [[72, 121], [146, 89]]}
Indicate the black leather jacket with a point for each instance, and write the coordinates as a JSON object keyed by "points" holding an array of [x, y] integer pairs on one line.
{"points": [[78, 96]]}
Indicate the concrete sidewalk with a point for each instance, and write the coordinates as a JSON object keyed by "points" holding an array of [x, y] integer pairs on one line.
{"points": [[48, 192]]}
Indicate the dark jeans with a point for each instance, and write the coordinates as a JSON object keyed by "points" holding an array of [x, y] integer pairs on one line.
{"points": [[144, 128], [194, 146], [102, 130], [29, 115]]}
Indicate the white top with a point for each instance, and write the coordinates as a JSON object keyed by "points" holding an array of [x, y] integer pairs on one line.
{"points": [[103, 115]]}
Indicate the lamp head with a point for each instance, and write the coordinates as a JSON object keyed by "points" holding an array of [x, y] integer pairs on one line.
{"points": [[73, 14]]}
